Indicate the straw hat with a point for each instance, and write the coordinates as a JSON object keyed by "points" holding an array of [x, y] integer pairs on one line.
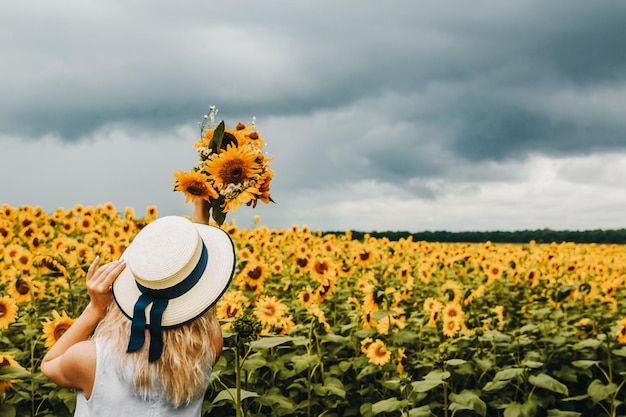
{"points": [[175, 271]]}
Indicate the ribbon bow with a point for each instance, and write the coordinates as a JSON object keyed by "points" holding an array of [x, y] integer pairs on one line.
{"points": [[159, 300]]}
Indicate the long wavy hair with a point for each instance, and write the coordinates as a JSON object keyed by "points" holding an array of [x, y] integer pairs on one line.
{"points": [[181, 374]]}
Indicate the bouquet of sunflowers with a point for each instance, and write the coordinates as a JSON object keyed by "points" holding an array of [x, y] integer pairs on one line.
{"points": [[232, 168]]}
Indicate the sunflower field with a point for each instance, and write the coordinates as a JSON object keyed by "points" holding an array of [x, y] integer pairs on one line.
{"points": [[326, 325]]}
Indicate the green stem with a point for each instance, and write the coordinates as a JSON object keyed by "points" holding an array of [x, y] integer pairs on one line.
{"points": [[238, 406]]}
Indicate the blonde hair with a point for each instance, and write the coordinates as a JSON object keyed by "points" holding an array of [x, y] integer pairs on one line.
{"points": [[181, 374]]}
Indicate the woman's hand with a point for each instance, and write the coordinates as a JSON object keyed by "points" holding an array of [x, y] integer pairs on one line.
{"points": [[99, 283]]}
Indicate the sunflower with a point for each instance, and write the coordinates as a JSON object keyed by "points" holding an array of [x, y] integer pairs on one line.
{"points": [[430, 304], [377, 353], [365, 256], [232, 167], [453, 311], [255, 274], [269, 310], [451, 327], [316, 311], [151, 213], [231, 305], [54, 329], [194, 184], [306, 296], [23, 260], [277, 268], [68, 226], [8, 311], [6, 231], [452, 290], [401, 355], [238, 197], [621, 331], [21, 289], [85, 224], [322, 268], [326, 288], [7, 360], [8, 211]]}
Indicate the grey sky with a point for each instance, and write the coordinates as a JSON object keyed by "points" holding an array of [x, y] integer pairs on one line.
{"points": [[409, 115]]}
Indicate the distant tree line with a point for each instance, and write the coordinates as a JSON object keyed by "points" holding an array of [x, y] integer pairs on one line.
{"points": [[522, 236]]}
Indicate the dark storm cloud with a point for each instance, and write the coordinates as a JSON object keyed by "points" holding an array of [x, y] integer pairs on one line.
{"points": [[469, 78]]}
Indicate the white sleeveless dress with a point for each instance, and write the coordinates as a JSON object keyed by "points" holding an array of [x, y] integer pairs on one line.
{"points": [[111, 397]]}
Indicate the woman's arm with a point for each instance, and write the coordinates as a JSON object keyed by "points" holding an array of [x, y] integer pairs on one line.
{"points": [[71, 361], [201, 209]]}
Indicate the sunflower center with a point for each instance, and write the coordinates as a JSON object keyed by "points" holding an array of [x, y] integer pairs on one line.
{"points": [[321, 267], [255, 273], [5, 362], [22, 287], [3, 310], [306, 297], [59, 330], [302, 262], [233, 172], [231, 311], [196, 188]]}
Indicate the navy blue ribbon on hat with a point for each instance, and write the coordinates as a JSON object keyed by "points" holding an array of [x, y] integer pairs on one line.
{"points": [[159, 300]]}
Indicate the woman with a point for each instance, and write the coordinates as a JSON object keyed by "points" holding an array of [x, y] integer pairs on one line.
{"points": [[156, 336]]}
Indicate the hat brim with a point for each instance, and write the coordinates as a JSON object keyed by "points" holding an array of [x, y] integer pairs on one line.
{"points": [[205, 293]]}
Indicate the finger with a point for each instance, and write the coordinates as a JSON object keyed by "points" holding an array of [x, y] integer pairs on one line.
{"points": [[92, 267], [110, 274], [101, 278]]}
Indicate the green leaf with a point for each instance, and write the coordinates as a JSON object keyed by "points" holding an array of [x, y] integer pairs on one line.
{"points": [[324, 390], [484, 363], [381, 314], [277, 400], [9, 373], [438, 374], [230, 393], [508, 374], [388, 405], [302, 362], [514, 409], [270, 342], [598, 391], [495, 385], [620, 352], [559, 413], [426, 385], [576, 398], [547, 382], [584, 364], [218, 136], [455, 362], [587, 344], [217, 211], [533, 364], [254, 362], [468, 400], [423, 411]]}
